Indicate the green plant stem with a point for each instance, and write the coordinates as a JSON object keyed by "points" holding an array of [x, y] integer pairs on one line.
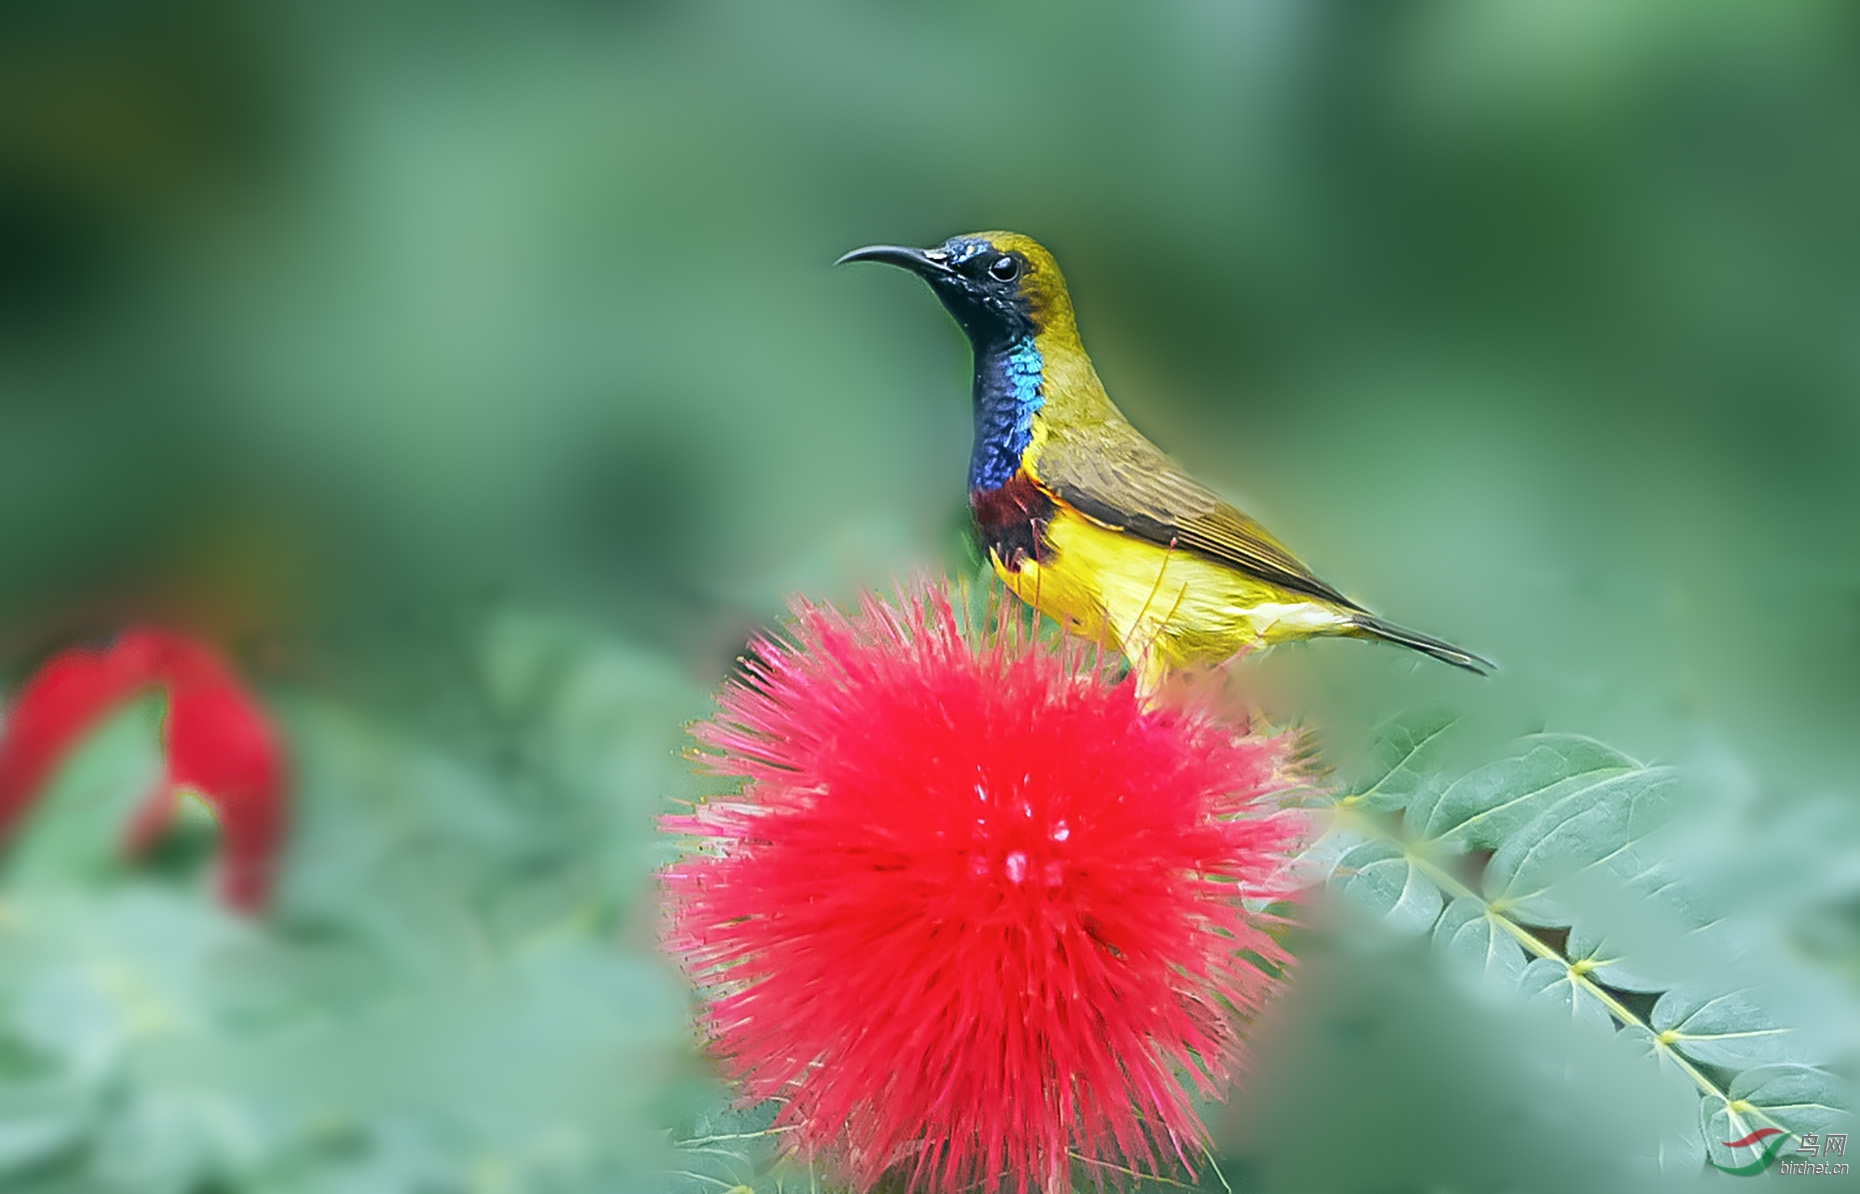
{"points": [[1453, 887]]}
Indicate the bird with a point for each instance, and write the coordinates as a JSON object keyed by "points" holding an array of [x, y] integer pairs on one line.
{"points": [[1086, 520]]}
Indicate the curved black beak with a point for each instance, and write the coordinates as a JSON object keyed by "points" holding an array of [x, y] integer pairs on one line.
{"points": [[922, 262]]}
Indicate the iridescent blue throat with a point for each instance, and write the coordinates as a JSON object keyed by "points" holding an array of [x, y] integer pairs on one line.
{"points": [[1007, 392]]}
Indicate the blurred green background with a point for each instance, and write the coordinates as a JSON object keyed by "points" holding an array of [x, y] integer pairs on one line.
{"points": [[477, 372]]}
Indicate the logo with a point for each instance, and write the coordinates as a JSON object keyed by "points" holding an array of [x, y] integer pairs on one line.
{"points": [[1809, 1144], [1763, 1161]]}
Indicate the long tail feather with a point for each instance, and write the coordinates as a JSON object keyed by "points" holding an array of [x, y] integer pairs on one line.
{"points": [[1370, 626]]}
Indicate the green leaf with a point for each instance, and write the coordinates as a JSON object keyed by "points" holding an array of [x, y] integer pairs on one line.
{"points": [[1796, 1098], [1549, 982], [1402, 762], [1384, 881], [738, 1152], [1481, 810], [1605, 827], [1660, 931], [70, 834], [1319, 859], [1478, 945], [1680, 1151], [1725, 1028], [41, 1121]]}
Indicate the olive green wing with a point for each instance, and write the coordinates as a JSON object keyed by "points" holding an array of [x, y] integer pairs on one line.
{"points": [[1114, 476]]}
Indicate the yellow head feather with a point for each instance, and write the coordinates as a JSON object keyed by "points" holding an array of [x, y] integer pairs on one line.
{"points": [[1041, 283]]}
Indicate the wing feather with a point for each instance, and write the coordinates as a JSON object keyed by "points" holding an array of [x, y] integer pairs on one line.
{"points": [[1127, 483]]}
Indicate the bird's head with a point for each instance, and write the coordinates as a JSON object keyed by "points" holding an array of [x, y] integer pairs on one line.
{"points": [[1000, 286]]}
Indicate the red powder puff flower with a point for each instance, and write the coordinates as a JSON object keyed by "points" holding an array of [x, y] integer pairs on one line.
{"points": [[975, 910], [216, 741]]}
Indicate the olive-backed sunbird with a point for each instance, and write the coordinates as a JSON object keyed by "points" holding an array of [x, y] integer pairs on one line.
{"points": [[1085, 519]]}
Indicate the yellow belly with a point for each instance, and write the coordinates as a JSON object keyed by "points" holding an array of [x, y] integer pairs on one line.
{"points": [[1162, 608]]}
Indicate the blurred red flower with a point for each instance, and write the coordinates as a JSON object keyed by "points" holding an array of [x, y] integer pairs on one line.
{"points": [[975, 909], [216, 741]]}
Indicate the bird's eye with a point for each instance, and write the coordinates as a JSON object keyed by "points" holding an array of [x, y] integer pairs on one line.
{"points": [[1004, 269]]}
